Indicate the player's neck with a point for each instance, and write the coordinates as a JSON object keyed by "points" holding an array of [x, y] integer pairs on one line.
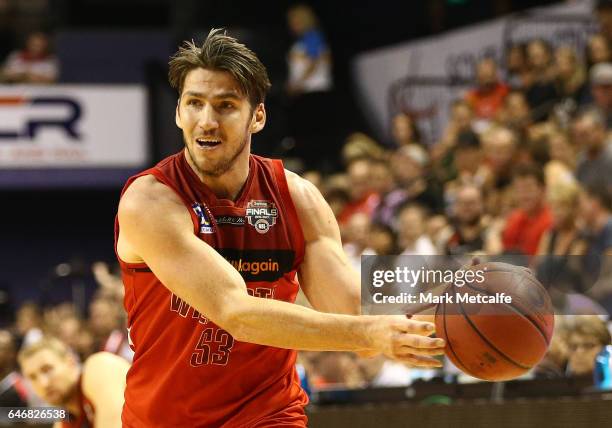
{"points": [[229, 184]]}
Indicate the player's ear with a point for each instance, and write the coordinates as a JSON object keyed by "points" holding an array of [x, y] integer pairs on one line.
{"points": [[177, 115], [258, 120]]}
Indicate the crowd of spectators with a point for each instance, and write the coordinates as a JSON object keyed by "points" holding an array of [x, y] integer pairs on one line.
{"points": [[523, 167]]}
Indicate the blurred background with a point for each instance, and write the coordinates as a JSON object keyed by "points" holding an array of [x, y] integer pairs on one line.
{"points": [[445, 127]]}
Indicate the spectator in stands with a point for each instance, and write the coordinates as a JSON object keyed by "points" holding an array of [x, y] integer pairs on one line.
{"points": [[355, 238], [564, 237], [412, 237], [335, 369], [337, 197], [410, 166], [106, 324], [516, 113], [526, 225], [517, 66], [404, 130], [587, 335], [382, 176], [541, 91], [461, 117], [571, 74], [383, 240], [596, 212], [309, 88], [28, 323], [468, 233], [309, 58], [554, 363], [73, 332], [596, 215], [13, 391], [597, 50], [487, 98], [109, 282], [595, 158], [560, 169], [34, 64], [604, 16], [359, 145], [92, 393], [601, 90], [501, 152], [363, 199]]}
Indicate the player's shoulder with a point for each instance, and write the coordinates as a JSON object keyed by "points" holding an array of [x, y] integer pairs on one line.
{"points": [[103, 376], [315, 216], [102, 361], [303, 193], [146, 193]]}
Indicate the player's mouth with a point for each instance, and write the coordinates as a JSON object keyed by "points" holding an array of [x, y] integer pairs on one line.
{"points": [[207, 143]]}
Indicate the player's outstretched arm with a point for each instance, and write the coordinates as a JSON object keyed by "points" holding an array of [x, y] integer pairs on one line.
{"points": [[326, 276], [155, 227], [104, 383]]}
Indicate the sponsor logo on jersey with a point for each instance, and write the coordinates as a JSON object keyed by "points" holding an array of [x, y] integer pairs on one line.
{"points": [[230, 220], [261, 215], [259, 265], [204, 217]]}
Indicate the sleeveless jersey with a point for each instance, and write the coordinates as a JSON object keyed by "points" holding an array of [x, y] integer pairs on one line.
{"points": [[187, 371], [87, 411]]}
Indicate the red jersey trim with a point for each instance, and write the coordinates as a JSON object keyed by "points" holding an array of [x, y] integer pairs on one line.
{"points": [[283, 187]]}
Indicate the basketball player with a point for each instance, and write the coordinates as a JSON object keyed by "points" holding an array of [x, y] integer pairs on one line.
{"points": [[92, 394], [210, 241]]}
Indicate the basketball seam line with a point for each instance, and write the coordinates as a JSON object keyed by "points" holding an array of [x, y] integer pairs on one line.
{"points": [[448, 341], [487, 340], [515, 309]]}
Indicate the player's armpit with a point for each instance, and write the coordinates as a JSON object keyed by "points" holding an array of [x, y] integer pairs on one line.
{"points": [[156, 227], [104, 384], [326, 275]]}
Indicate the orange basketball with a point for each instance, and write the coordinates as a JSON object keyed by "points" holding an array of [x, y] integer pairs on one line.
{"points": [[496, 341]]}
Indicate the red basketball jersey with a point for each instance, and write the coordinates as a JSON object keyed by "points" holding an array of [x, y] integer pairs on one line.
{"points": [[86, 408], [187, 371]]}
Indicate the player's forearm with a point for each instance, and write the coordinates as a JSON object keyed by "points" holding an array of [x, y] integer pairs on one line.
{"points": [[285, 325]]}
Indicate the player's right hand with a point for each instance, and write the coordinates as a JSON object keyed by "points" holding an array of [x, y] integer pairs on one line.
{"points": [[405, 340]]}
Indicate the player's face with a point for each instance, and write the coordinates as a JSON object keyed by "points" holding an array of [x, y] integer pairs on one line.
{"points": [[53, 377], [217, 121]]}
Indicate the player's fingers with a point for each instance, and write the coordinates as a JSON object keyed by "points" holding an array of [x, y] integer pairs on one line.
{"points": [[416, 341], [415, 327], [418, 360], [420, 351]]}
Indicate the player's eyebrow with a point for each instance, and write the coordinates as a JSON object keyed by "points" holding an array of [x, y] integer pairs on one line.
{"points": [[222, 95]]}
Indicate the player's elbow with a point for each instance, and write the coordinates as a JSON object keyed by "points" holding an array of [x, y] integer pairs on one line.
{"points": [[242, 319]]}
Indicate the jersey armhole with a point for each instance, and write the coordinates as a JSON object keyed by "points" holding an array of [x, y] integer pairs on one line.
{"points": [[283, 186]]}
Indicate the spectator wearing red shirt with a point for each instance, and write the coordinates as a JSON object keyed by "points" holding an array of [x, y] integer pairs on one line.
{"points": [[487, 98], [363, 197], [526, 225]]}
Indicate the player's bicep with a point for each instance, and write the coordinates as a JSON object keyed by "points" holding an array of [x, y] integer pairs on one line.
{"points": [[326, 275]]}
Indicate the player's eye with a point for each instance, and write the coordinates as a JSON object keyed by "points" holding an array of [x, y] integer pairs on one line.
{"points": [[227, 105], [194, 103]]}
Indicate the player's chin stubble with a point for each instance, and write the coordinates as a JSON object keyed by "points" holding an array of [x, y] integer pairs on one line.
{"points": [[220, 167]]}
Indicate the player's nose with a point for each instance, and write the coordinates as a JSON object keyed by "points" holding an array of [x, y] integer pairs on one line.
{"points": [[207, 119]]}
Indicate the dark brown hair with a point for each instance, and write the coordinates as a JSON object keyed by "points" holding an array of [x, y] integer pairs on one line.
{"points": [[221, 52]]}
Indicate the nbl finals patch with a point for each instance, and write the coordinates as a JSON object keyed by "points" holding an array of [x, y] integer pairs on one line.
{"points": [[261, 215]]}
